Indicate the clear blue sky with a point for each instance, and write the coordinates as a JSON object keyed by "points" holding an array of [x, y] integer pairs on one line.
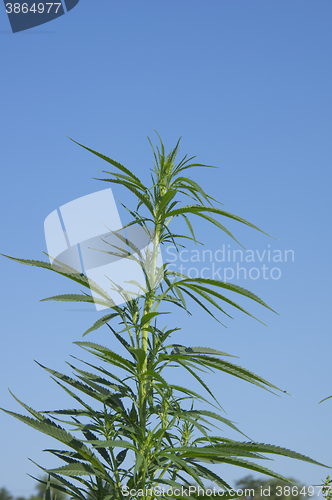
{"points": [[247, 84]]}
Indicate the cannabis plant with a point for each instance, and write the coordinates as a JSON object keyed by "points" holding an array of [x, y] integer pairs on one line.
{"points": [[132, 430], [327, 488]]}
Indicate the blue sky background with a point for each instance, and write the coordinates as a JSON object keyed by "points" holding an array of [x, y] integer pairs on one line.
{"points": [[248, 86]]}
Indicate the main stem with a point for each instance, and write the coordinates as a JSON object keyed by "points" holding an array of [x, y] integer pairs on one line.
{"points": [[149, 300], [145, 331]]}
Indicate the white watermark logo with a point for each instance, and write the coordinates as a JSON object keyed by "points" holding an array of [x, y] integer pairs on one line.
{"points": [[86, 236]]}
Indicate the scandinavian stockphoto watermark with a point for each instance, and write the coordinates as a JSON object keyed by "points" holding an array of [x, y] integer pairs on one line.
{"points": [[197, 491], [85, 237], [227, 264], [26, 14]]}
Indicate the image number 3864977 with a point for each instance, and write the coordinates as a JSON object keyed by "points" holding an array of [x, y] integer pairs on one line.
{"points": [[24, 15]]}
